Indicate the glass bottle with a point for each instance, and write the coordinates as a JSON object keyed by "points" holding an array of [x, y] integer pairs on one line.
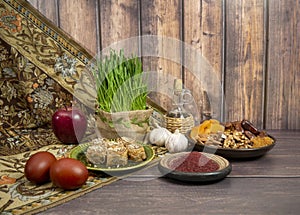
{"points": [[181, 97]]}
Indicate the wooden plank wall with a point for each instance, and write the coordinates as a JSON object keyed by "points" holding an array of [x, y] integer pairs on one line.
{"points": [[251, 47]]}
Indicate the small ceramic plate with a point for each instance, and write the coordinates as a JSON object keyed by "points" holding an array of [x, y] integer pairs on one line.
{"points": [[166, 163], [231, 153], [79, 153]]}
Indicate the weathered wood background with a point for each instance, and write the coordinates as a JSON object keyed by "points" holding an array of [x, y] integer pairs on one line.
{"points": [[253, 47]]}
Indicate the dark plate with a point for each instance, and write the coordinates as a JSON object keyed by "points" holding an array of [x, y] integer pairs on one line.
{"points": [[231, 153], [166, 162], [79, 153]]}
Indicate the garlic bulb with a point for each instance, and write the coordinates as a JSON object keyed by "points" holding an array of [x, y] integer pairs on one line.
{"points": [[176, 142], [158, 136]]}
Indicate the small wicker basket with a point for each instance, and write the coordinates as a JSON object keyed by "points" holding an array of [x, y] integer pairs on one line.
{"points": [[182, 124]]}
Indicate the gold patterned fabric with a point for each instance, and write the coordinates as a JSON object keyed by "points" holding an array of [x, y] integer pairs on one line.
{"points": [[28, 99], [28, 95], [19, 196], [39, 67]]}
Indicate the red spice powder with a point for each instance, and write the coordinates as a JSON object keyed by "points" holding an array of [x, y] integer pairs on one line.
{"points": [[194, 162]]}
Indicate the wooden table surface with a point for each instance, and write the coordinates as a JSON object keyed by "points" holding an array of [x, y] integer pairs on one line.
{"points": [[267, 185]]}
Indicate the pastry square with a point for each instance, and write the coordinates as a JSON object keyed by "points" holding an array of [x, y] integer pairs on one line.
{"points": [[117, 156], [136, 152], [96, 154]]}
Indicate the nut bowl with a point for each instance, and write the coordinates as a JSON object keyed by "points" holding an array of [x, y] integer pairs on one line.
{"points": [[235, 139], [230, 153]]}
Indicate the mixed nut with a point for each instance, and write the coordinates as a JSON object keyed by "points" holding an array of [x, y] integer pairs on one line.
{"points": [[232, 135]]}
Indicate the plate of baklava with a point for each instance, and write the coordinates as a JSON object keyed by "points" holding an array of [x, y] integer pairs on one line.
{"points": [[113, 155]]}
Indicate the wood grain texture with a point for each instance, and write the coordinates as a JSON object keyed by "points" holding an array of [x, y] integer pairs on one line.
{"points": [[119, 25], [283, 94], [162, 196], [244, 75], [203, 31], [161, 18], [78, 18], [261, 49], [48, 8]]}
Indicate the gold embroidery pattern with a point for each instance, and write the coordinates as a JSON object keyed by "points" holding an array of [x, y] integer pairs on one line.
{"points": [[39, 67], [10, 21], [42, 44]]}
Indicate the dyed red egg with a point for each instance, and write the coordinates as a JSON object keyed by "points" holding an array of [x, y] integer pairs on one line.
{"points": [[38, 166], [68, 173]]}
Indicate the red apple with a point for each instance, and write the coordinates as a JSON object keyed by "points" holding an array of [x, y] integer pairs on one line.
{"points": [[69, 125]]}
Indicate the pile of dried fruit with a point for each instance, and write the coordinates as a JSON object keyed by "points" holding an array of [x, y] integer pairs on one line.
{"points": [[233, 135]]}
